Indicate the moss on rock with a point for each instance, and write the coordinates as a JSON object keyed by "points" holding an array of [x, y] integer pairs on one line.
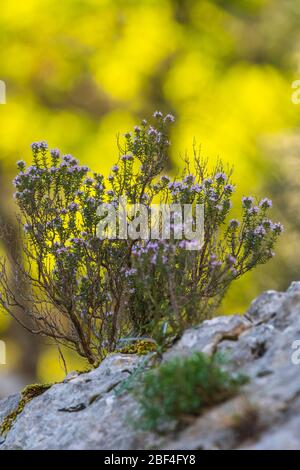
{"points": [[27, 394], [140, 347]]}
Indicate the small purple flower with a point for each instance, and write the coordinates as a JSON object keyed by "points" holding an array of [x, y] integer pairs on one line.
{"points": [[267, 223], [277, 228], [231, 260], [55, 153], [126, 158], [24, 193], [37, 146], [247, 201], [259, 231], [189, 179], [169, 118], [74, 162], [253, 210], [207, 182], [115, 169], [32, 170], [226, 205], [61, 250], [73, 206], [43, 145], [212, 195], [158, 114], [77, 241], [84, 169], [220, 177], [111, 178], [53, 170], [144, 122], [130, 272], [229, 188], [265, 203], [110, 192], [21, 164], [152, 131], [88, 181], [152, 246], [73, 169], [16, 181], [27, 228], [215, 264], [196, 188], [234, 223], [176, 186], [137, 129], [91, 200]]}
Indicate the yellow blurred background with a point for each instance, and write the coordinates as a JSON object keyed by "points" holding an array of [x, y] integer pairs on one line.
{"points": [[78, 72]]}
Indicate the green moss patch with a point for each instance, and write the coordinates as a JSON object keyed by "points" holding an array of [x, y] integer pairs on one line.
{"points": [[140, 347], [27, 394]]}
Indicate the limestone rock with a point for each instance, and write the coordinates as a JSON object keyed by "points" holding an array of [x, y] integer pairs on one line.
{"points": [[85, 412]]}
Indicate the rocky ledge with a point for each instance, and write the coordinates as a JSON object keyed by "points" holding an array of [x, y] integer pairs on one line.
{"points": [[85, 412]]}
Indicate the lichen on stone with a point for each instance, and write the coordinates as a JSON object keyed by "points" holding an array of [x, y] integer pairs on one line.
{"points": [[27, 394], [140, 347]]}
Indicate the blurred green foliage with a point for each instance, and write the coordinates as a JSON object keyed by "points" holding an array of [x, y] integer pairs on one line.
{"points": [[80, 71]]}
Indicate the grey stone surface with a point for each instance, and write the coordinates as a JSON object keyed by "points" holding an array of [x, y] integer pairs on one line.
{"points": [[84, 412]]}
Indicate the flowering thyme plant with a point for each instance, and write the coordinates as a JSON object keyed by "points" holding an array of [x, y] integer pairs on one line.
{"points": [[89, 292]]}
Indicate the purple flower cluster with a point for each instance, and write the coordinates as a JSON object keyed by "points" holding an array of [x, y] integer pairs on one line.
{"points": [[88, 181], [130, 272], [189, 179], [127, 158], [55, 154], [265, 203], [220, 177], [259, 231], [229, 188], [234, 223], [207, 182], [169, 118], [247, 202], [73, 207], [21, 165], [39, 146], [253, 210], [277, 228]]}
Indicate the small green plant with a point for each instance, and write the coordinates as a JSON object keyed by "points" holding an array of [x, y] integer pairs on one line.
{"points": [[181, 389], [88, 292]]}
